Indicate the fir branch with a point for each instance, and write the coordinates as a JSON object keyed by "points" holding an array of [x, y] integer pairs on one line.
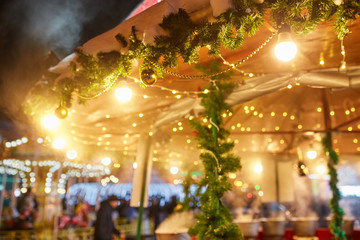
{"points": [[215, 220], [338, 213], [184, 39]]}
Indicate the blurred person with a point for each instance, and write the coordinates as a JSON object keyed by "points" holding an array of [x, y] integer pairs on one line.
{"points": [[104, 225], [126, 211], [171, 205], [154, 212], [81, 218], [28, 207]]}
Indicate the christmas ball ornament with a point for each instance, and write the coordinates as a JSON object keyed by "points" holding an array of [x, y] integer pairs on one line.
{"points": [[61, 112], [148, 77]]}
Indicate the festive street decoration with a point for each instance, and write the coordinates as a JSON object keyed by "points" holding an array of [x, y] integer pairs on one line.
{"points": [[215, 220], [93, 75], [61, 112], [338, 213], [148, 77]]}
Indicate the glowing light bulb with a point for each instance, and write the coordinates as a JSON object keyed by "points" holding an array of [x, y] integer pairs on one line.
{"points": [[72, 154], [321, 169], [123, 94], [258, 168], [50, 122], [135, 165], [47, 190], [106, 161], [286, 49], [174, 170], [311, 154], [59, 143]]}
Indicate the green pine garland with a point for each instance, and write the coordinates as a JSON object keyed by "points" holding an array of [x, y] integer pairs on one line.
{"points": [[184, 38], [189, 199], [215, 220], [338, 213]]}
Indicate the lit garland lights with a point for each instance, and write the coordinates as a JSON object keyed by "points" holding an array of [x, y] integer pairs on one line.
{"points": [[94, 75], [16, 143]]}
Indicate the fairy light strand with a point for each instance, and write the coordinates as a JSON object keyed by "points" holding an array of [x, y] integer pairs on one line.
{"points": [[343, 62], [101, 92], [232, 66]]}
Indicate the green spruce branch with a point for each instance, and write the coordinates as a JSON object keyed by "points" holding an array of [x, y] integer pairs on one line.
{"points": [[215, 220], [184, 38], [338, 213]]}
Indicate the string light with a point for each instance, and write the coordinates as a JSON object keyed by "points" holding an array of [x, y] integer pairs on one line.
{"points": [[343, 62], [232, 66]]}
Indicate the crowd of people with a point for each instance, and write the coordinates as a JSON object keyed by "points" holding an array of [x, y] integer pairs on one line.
{"points": [[24, 215]]}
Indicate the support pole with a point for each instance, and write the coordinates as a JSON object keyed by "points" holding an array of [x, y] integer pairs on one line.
{"points": [[143, 186], [97, 205], [14, 187], [57, 205], [4, 176], [214, 132], [337, 220], [277, 185]]}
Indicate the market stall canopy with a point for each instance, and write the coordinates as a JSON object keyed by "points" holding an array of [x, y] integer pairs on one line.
{"points": [[275, 103]]}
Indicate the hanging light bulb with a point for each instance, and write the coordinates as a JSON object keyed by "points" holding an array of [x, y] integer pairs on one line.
{"points": [[285, 49], [123, 93], [50, 122]]}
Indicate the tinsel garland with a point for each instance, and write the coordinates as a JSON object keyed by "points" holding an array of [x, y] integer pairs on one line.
{"points": [[184, 39], [215, 220], [338, 213]]}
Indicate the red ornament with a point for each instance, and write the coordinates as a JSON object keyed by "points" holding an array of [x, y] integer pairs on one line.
{"points": [[195, 133]]}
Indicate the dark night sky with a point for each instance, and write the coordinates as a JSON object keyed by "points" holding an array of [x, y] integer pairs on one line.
{"points": [[29, 29]]}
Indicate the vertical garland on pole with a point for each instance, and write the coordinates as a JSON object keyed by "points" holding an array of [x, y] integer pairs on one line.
{"points": [[338, 213], [215, 220]]}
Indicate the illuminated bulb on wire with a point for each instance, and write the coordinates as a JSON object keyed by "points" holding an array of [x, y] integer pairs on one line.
{"points": [[285, 49], [123, 94], [50, 122]]}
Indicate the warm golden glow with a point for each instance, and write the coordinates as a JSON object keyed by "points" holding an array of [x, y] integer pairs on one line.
{"points": [[106, 161], [311, 154], [50, 122], [123, 94], [59, 143], [232, 175], [286, 49]]}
